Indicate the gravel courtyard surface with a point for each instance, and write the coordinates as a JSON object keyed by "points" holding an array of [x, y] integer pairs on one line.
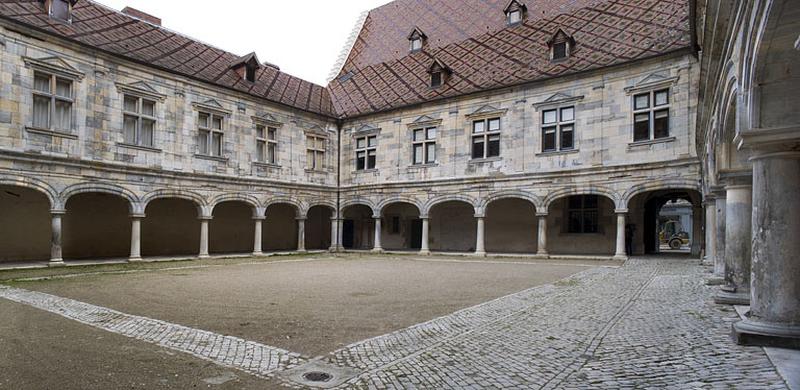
{"points": [[314, 305]]}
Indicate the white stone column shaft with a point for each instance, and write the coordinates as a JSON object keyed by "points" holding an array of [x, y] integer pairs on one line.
{"points": [[257, 246], [377, 247], [697, 231], [620, 252], [334, 235], [301, 234], [738, 228], [136, 238], [719, 235], [425, 247], [711, 226], [480, 249], [56, 258], [542, 238], [204, 237]]}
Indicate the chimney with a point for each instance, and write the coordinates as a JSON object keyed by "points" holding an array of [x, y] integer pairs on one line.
{"points": [[141, 15]]}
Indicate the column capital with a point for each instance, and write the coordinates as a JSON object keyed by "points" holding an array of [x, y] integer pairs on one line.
{"points": [[621, 211], [480, 215], [377, 217], [138, 216], [205, 217], [259, 217], [58, 212], [424, 216], [542, 214], [303, 218]]}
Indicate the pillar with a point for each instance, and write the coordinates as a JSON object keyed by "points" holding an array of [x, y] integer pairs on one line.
{"points": [[301, 234], [377, 247], [334, 234], [56, 259], [339, 234], [480, 248], [425, 247], [541, 248], [738, 225], [719, 234], [204, 236], [775, 297], [697, 231], [257, 247], [136, 237], [620, 252], [711, 226]]}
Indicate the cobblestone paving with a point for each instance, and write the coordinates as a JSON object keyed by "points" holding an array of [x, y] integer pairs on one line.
{"points": [[649, 324], [252, 357]]}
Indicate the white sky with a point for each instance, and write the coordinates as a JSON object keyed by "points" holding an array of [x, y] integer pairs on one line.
{"points": [[302, 38]]}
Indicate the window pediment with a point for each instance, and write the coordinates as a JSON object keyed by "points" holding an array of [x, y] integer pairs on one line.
{"points": [[142, 89], [654, 80], [316, 130], [557, 99], [486, 111], [267, 120], [211, 105], [365, 129], [54, 65], [425, 121]]}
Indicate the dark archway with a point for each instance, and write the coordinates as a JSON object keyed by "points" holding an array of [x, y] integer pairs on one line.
{"points": [[665, 221], [232, 229], [511, 226], [279, 232], [25, 230], [582, 224], [318, 227], [453, 227], [358, 227], [401, 228], [96, 225], [171, 228]]}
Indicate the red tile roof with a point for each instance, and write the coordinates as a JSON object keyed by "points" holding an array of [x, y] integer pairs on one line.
{"points": [[120, 34], [380, 74]]}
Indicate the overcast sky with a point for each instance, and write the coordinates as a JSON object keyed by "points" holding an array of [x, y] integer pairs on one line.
{"points": [[303, 38]]}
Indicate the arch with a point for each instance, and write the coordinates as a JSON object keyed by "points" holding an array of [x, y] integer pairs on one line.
{"points": [[320, 202], [233, 197], [448, 198], [511, 194], [104, 188], [398, 199], [358, 201], [36, 185], [299, 207], [197, 199], [672, 184], [592, 190]]}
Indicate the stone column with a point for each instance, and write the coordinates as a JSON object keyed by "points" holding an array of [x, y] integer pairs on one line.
{"points": [[711, 226], [775, 305], [719, 234], [480, 249], [425, 247], [258, 221], [377, 247], [334, 234], [697, 231], [620, 252], [738, 225], [136, 237], [204, 236], [339, 234], [541, 249], [301, 234], [56, 259]]}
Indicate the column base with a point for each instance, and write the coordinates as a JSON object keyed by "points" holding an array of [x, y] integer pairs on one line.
{"points": [[724, 297], [257, 254], [135, 259], [479, 254], [424, 252], [621, 257], [377, 250], [56, 263], [714, 280], [765, 334], [203, 256]]}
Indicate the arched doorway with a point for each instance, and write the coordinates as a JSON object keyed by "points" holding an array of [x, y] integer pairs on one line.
{"points": [[231, 229], [318, 227], [582, 224], [171, 228], [665, 221], [25, 231], [279, 232], [96, 225], [401, 227], [358, 227], [453, 227], [511, 226]]}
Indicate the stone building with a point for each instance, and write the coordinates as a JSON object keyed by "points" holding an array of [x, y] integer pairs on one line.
{"points": [[472, 126]]}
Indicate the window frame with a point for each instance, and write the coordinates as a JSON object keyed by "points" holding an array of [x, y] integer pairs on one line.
{"points": [[584, 212], [486, 134], [558, 128], [425, 143], [211, 131], [318, 153], [67, 11], [265, 143], [140, 117], [366, 150], [651, 110], [53, 97]]}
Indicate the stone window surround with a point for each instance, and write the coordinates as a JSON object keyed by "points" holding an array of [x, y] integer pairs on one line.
{"points": [[651, 110], [140, 117], [557, 127], [366, 149], [317, 135], [485, 116], [268, 123], [667, 83], [422, 125], [75, 76], [211, 111], [141, 93]]}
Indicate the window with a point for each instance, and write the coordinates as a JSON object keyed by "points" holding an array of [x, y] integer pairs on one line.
{"points": [[582, 214], [315, 152], [436, 79], [210, 137], [52, 102], [60, 9], [250, 73], [561, 45], [424, 146], [559, 51], [558, 129], [366, 151], [651, 115], [266, 144], [486, 138], [139, 122], [416, 44], [514, 17]]}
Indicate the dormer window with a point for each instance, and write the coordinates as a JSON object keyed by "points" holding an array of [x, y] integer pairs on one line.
{"points": [[416, 40], [246, 67], [60, 9], [439, 73], [515, 12], [561, 45]]}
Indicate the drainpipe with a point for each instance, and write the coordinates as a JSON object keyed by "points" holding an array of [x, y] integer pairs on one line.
{"points": [[339, 123]]}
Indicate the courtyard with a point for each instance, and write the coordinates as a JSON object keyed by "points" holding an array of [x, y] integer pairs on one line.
{"points": [[374, 321]]}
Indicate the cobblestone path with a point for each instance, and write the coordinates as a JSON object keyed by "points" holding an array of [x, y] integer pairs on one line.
{"points": [[649, 324]]}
